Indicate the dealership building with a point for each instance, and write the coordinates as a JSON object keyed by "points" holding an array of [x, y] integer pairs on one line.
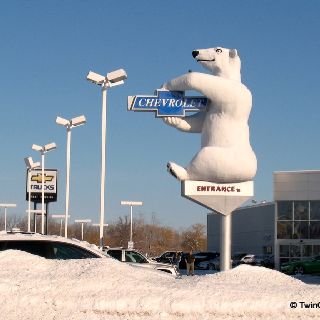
{"points": [[288, 227]]}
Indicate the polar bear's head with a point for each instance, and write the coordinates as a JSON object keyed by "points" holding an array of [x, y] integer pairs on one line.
{"points": [[220, 61]]}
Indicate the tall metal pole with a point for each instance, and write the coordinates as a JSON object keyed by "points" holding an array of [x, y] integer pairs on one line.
{"points": [[5, 219], [35, 217], [42, 192], [67, 182], [225, 242], [103, 159], [82, 230], [29, 200], [130, 223]]}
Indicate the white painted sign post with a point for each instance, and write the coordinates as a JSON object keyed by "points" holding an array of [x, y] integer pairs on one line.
{"points": [[223, 198]]}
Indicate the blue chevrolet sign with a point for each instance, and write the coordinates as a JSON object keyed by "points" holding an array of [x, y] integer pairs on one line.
{"points": [[167, 103]]}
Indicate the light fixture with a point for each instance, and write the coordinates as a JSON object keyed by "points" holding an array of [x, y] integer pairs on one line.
{"points": [[111, 78]]}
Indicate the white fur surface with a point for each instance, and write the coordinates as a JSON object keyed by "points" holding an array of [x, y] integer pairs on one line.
{"points": [[226, 154]]}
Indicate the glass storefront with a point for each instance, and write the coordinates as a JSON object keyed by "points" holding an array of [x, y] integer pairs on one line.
{"points": [[298, 222], [298, 219], [292, 252]]}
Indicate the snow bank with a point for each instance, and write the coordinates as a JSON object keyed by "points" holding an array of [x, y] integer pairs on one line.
{"points": [[35, 288]]}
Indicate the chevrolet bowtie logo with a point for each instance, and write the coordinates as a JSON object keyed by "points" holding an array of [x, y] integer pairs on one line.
{"points": [[38, 178]]}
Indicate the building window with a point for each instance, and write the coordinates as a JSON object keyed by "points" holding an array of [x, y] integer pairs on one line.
{"points": [[316, 250], [301, 210], [295, 252], [284, 210], [314, 229], [314, 210], [284, 229], [267, 249], [298, 219], [301, 230]]}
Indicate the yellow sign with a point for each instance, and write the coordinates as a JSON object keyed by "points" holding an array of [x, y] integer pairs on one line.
{"points": [[38, 178]]}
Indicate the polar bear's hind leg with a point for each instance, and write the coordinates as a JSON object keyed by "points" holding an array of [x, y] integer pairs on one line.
{"points": [[177, 171]]}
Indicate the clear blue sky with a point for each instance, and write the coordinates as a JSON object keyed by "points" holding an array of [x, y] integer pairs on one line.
{"points": [[47, 48]]}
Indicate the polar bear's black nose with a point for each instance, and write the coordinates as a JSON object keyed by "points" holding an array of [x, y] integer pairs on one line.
{"points": [[195, 53]]}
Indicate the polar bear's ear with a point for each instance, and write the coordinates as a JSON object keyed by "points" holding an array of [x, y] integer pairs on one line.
{"points": [[233, 53]]}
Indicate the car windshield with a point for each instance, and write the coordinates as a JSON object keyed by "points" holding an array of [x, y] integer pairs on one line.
{"points": [[132, 256]]}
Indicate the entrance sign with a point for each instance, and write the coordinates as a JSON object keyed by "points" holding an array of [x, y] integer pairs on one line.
{"points": [[221, 197], [167, 103], [34, 182]]}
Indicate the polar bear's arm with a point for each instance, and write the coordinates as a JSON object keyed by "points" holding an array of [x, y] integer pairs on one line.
{"points": [[213, 87], [191, 124]]}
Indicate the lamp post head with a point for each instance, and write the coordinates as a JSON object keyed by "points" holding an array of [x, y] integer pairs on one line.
{"points": [[50, 146], [78, 121], [36, 147], [62, 121], [7, 205], [82, 221], [45, 148], [117, 76], [95, 78], [30, 164], [113, 78], [59, 216], [131, 203], [74, 122]]}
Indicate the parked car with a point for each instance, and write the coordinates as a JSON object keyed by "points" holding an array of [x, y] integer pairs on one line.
{"points": [[212, 264], [167, 257], [204, 256], [311, 265], [49, 247], [253, 259], [236, 258], [136, 258]]}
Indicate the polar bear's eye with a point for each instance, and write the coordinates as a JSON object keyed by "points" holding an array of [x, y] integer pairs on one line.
{"points": [[218, 50]]}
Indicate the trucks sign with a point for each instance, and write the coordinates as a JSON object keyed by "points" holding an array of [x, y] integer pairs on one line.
{"points": [[34, 184]]}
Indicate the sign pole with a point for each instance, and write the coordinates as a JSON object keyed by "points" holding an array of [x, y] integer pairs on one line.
{"points": [[42, 192], [130, 223], [35, 217], [5, 219], [225, 242], [47, 213], [103, 161], [67, 183], [29, 200]]}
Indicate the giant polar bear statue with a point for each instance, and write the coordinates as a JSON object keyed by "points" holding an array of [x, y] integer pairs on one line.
{"points": [[226, 155]]}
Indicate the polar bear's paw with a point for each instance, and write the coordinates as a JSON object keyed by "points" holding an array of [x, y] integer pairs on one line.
{"points": [[177, 171]]}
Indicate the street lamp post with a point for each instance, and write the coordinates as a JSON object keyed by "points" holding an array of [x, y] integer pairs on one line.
{"points": [[43, 149], [5, 206], [112, 79], [131, 204], [82, 221], [61, 217], [69, 124], [35, 214], [30, 165]]}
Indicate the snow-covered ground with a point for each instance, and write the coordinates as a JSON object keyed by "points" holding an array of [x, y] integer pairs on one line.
{"points": [[34, 288]]}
